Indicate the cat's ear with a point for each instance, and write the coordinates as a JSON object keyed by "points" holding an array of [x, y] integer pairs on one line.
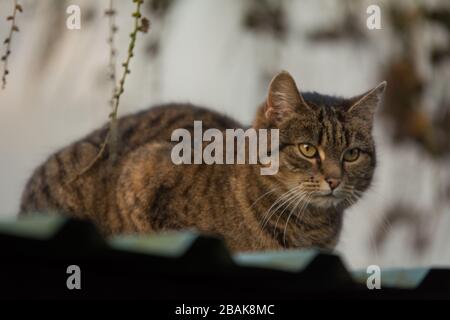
{"points": [[283, 98], [365, 105]]}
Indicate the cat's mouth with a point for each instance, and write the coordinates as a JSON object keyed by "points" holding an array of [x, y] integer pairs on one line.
{"points": [[326, 194], [330, 194], [327, 198]]}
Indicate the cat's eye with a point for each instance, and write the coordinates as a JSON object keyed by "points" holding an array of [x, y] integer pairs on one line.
{"points": [[307, 150], [351, 155]]}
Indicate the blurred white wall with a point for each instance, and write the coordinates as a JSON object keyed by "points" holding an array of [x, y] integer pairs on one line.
{"points": [[57, 93]]}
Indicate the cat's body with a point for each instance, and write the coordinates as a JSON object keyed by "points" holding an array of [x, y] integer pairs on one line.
{"points": [[145, 192]]}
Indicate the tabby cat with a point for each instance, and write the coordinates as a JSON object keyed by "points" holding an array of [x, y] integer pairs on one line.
{"points": [[326, 162]]}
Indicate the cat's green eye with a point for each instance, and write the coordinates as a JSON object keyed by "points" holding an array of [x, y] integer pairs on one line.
{"points": [[351, 155], [307, 150]]}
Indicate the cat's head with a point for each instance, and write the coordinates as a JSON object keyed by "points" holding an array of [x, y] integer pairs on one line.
{"points": [[327, 151]]}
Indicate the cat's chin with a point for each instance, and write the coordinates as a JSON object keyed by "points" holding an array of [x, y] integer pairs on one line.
{"points": [[327, 201]]}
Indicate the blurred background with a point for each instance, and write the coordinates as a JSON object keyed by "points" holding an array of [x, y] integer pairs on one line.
{"points": [[222, 54]]}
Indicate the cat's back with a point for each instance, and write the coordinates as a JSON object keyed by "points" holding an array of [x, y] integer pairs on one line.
{"points": [[157, 124], [51, 185]]}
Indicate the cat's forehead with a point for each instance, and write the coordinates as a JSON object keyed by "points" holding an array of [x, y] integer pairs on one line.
{"points": [[317, 101], [327, 126]]}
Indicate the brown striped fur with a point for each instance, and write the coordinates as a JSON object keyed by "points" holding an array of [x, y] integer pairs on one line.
{"points": [[145, 192]]}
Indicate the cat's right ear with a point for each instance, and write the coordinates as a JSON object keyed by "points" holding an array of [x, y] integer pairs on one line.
{"points": [[283, 98]]}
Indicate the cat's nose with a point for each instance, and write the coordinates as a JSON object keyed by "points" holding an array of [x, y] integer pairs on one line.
{"points": [[333, 183]]}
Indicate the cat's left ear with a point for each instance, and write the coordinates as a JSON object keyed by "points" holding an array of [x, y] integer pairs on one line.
{"points": [[365, 105]]}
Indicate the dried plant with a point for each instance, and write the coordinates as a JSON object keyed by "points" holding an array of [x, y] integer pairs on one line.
{"points": [[141, 24], [111, 14], [8, 40]]}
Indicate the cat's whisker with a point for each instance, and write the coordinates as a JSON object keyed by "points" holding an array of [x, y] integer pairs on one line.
{"points": [[303, 205], [356, 196], [292, 200], [303, 208], [300, 213], [352, 190], [348, 188], [357, 192], [261, 197], [352, 198], [301, 197], [269, 212], [287, 202], [280, 201], [281, 198]]}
